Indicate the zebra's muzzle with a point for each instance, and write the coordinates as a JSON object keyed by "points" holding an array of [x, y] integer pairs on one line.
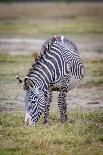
{"points": [[28, 121]]}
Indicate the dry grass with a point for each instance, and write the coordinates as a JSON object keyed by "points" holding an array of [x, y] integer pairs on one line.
{"points": [[45, 19], [50, 10], [82, 136]]}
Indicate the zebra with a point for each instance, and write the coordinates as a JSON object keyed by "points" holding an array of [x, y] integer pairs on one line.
{"points": [[58, 66]]}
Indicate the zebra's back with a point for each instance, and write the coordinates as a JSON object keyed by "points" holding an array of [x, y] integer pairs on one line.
{"points": [[72, 66]]}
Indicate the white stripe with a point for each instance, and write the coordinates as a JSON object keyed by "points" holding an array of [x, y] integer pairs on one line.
{"points": [[47, 70], [54, 65]]}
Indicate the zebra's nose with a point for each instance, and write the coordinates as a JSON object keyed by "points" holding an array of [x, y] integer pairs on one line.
{"points": [[28, 121]]}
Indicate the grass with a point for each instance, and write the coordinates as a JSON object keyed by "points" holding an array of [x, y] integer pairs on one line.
{"points": [[50, 10], [6, 58], [94, 72], [19, 64], [23, 20], [84, 133], [82, 136], [51, 28]]}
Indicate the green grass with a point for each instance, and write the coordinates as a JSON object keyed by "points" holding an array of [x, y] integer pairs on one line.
{"points": [[10, 66], [6, 58], [82, 136], [51, 28], [23, 19], [94, 72]]}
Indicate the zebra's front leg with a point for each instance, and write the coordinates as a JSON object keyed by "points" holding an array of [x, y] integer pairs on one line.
{"points": [[47, 106], [62, 104]]}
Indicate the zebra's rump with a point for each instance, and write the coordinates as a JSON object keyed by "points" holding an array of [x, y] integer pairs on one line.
{"points": [[71, 71], [64, 41]]}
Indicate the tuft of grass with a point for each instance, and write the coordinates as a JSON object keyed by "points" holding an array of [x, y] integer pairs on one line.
{"points": [[82, 136]]}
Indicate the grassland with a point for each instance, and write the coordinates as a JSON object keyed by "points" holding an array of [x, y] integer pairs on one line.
{"points": [[83, 134], [43, 20], [43, 29], [80, 137]]}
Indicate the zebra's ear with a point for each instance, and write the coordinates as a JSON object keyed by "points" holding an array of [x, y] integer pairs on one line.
{"points": [[26, 83], [19, 81]]}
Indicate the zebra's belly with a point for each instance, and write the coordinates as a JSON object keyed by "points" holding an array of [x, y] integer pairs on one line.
{"points": [[70, 83], [74, 82]]}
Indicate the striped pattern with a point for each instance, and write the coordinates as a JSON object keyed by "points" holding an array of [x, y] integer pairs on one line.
{"points": [[59, 65], [34, 105]]}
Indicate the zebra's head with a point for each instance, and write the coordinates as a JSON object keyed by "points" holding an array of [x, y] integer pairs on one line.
{"points": [[34, 102]]}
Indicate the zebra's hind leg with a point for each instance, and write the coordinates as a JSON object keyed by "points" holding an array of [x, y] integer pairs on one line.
{"points": [[47, 106], [62, 104]]}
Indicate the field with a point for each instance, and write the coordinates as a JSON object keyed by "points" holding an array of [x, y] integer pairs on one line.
{"points": [[83, 133]]}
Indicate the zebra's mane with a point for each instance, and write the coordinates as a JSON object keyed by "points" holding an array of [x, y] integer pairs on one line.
{"points": [[40, 57], [46, 48], [33, 67]]}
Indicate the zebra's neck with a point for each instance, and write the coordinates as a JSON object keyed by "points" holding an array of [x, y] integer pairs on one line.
{"points": [[48, 68], [41, 75]]}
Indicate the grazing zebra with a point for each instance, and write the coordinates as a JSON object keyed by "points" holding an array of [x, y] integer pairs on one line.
{"points": [[59, 66]]}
